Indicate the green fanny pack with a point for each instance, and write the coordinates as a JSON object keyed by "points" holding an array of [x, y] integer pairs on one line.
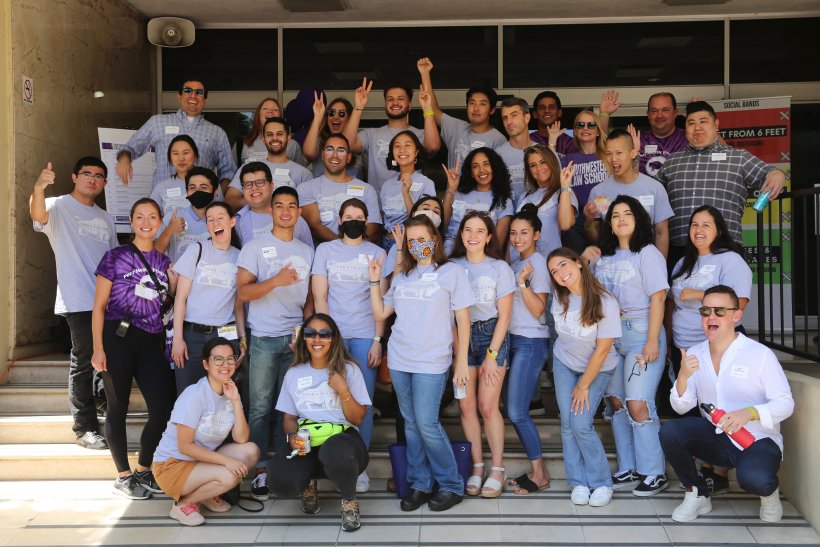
{"points": [[321, 431]]}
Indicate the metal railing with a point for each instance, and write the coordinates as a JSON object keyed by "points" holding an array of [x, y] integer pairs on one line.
{"points": [[786, 261]]}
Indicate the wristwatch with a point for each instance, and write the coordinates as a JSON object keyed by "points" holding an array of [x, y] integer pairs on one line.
{"points": [[492, 353]]}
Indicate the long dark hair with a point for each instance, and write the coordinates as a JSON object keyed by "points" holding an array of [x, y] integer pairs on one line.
{"points": [[338, 355], [723, 242], [490, 249], [408, 263], [642, 236], [391, 166], [235, 241], [501, 186], [592, 308]]}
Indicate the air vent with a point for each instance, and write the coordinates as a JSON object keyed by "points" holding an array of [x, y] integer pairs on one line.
{"points": [[314, 6]]}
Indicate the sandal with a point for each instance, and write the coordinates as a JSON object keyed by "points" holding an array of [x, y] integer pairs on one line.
{"points": [[493, 487], [525, 485], [473, 486]]}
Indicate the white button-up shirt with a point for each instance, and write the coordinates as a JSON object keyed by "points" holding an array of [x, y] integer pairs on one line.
{"points": [[750, 375]]}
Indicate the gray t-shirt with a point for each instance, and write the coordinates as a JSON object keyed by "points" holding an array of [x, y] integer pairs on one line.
{"points": [[522, 322], [576, 342], [476, 201], [393, 206], [424, 300], [728, 269], [205, 411], [460, 139], [279, 311], [389, 265], [633, 278], [375, 143], [645, 189], [329, 196], [79, 235], [196, 230], [306, 393], [348, 287], [514, 160], [490, 280], [213, 283], [284, 174], [548, 214], [250, 224], [172, 194]]}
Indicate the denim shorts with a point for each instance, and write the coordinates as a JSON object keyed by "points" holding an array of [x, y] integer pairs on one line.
{"points": [[481, 334]]}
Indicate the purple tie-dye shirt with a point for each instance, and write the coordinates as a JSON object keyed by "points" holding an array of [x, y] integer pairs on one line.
{"points": [[125, 270], [655, 150]]}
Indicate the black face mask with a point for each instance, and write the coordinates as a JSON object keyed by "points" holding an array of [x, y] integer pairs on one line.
{"points": [[200, 199], [353, 228]]}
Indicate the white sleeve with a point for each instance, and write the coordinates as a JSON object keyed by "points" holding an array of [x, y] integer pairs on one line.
{"points": [[780, 403]]}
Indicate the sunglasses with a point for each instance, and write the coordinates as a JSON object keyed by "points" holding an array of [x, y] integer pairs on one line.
{"points": [[332, 112], [323, 334], [191, 90], [590, 125], [636, 369], [720, 311]]}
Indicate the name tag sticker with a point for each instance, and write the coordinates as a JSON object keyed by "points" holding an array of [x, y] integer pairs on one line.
{"points": [[718, 156], [304, 382], [228, 332], [739, 371], [280, 172], [326, 216], [174, 192], [647, 201], [145, 292], [416, 186], [269, 252], [477, 144], [429, 276], [363, 258], [707, 269], [650, 149], [172, 130], [357, 191]]}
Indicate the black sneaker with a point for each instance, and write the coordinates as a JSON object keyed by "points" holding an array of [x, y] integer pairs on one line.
{"points": [[625, 479], [129, 487], [92, 440], [259, 487], [146, 479], [350, 515], [310, 500], [717, 484], [651, 485], [537, 408]]}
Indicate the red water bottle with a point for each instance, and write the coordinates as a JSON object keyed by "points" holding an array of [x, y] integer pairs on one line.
{"points": [[741, 436]]}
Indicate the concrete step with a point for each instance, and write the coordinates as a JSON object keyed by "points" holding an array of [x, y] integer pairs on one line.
{"points": [[41, 399], [49, 369]]}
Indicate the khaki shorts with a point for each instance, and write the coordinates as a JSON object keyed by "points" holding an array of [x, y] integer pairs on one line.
{"points": [[172, 474]]}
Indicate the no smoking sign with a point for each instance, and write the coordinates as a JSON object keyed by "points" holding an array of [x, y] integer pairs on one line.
{"points": [[28, 90]]}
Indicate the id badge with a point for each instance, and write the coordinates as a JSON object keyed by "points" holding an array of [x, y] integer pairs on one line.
{"points": [[145, 292], [228, 332]]}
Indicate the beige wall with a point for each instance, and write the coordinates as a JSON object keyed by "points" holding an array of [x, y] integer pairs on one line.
{"points": [[70, 49], [6, 171]]}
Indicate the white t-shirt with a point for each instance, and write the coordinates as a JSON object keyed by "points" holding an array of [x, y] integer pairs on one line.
{"points": [[79, 235], [329, 196], [307, 395], [213, 283], [576, 342], [490, 280], [632, 278], [522, 322]]}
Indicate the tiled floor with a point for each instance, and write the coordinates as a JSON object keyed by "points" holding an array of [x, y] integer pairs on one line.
{"points": [[86, 513]]}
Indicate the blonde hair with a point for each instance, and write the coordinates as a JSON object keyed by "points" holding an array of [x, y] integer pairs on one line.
{"points": [[600, 140]]}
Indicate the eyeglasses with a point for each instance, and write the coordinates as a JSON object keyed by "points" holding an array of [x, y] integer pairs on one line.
{"points": [[192, 91], [581, 125], [322, 334], [332, 112], [259, 183], [720, 311], [218, 360], [636, 369], [89, 175], [341, 150]]}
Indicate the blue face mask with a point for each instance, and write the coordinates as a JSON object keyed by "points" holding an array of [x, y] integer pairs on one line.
{"points": [[421, 250]]}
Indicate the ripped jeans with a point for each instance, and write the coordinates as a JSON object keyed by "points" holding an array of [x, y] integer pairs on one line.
{"points": [[636, 442]]}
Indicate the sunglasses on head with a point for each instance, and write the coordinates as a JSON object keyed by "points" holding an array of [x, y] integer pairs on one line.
{"points": [[324, 334], [590, 125], [332, 112], [191, 90], [720, 311]]}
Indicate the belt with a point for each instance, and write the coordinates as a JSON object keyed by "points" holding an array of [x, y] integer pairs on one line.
{"points": [[196, 327]]}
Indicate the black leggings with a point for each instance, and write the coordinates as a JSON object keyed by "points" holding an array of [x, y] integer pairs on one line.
{"points": [[139, 355], [342, 458]]}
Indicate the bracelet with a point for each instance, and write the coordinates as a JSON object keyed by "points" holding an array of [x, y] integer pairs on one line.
{"points": [[450, 192], [603, 114], [243, 343], [377, 339], [349, 396], [359, 109], [492, 353], [551, 146], [375, 283], [428, 113], [563, 190], [754, 412]]}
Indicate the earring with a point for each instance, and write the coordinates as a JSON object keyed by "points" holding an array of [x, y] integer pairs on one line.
{"points": [[393, 163]]}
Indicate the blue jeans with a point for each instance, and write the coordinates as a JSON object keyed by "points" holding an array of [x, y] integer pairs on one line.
{"points": [[694, 437], [481, 335], [269, 359], [584, 457], [429, 452], [527, 357], [636, 443], [536, 392], [358, 348]]}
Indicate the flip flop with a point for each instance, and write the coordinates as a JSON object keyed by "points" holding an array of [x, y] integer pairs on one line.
{"points": [[528, 486]]}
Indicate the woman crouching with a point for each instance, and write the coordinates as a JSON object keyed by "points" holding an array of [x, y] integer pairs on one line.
{"points": [[189, 463]]}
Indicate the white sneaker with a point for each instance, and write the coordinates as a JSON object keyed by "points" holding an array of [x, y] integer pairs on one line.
{"points": [[362, 483], [452, 410], [600, 496], [692, 506], [771, 510], [580, 495]]}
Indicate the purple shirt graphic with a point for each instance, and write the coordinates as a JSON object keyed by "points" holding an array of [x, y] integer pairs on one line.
{"points": [[589, 171], [126, 271], [655, 150]]}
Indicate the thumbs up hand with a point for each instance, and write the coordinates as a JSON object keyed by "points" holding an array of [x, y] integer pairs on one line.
{"points": [[689, 364], [46, 178]]}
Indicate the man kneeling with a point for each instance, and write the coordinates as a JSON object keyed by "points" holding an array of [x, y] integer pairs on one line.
{"points": [[744, 378]]}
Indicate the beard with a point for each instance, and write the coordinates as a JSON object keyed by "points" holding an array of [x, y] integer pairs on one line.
{"points": [[399, 116]]}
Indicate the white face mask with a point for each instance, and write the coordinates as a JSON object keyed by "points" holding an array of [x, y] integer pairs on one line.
{"points": [[431, 215]]}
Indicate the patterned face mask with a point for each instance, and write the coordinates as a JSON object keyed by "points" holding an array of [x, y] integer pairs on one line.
{"points": [[421, 250]]}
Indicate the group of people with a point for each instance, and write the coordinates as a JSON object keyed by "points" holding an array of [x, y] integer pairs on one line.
{"points": [[604, 253]]}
